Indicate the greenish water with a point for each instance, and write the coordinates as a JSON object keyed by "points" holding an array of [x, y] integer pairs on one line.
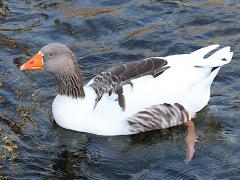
{"points": [[102, 34]]}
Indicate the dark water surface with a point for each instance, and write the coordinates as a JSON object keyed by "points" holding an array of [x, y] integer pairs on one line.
{"points": [[102, 34]]}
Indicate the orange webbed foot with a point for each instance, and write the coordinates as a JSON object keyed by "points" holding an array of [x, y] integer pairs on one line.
{"points": [[190, 139]]}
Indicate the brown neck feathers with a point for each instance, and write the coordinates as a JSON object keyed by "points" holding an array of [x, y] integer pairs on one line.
{"points": [[70, 84]]}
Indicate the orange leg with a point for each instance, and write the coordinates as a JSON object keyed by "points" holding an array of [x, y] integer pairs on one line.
{"points": [[190, 139]]}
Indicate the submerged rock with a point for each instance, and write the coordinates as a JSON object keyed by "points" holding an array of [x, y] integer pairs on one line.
{"points": [[46, 4], [65, 25], [7, 147], [8, 41], [4, 9], [17, 61], [2, 85], [2, 99]]}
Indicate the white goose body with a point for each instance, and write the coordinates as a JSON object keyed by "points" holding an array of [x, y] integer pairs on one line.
{"points": [[187, 82], [155, 93]]}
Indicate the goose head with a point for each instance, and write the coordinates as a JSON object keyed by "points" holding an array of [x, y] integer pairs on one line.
{"points": [[55, 58], [60, 61]]}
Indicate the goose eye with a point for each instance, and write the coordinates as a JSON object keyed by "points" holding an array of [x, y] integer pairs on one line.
{"points": [[50, 54]]}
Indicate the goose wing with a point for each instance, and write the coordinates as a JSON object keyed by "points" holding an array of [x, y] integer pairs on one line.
{"points": [[113, 79]]}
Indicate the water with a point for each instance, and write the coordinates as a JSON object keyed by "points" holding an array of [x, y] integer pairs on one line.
{"points": [[102, 34]]}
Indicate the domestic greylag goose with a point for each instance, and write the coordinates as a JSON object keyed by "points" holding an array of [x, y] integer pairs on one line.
{"points": [[154, 93]]}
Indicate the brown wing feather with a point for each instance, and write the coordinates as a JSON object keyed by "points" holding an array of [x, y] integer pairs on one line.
{"points": [[114, 78], [133, 70]]}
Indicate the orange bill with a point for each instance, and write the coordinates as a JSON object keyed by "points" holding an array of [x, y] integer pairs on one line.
{"points": [[36, 63]]}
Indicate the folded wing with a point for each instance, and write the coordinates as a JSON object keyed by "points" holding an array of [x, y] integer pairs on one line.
{"points": [[113, 79]]}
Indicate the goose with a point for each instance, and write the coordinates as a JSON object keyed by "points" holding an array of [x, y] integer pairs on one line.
{"points": [[139, 96]]}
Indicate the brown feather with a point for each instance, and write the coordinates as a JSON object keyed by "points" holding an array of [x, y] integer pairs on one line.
{"points": [[159, 116]]}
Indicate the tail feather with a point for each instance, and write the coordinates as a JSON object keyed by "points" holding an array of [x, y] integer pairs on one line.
{"points": [[219, 58], [224, 54], [205, 50]]}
